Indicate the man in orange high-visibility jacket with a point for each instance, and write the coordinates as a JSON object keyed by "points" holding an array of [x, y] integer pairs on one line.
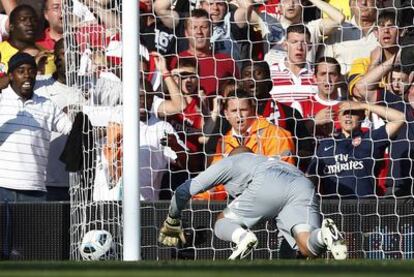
{"points": [[251, 131]]}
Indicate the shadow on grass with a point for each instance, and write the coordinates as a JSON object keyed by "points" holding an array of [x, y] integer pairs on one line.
{"points": [[280, 266]]}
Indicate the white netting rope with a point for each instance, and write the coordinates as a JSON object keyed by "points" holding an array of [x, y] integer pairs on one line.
{"points": [[92, 39], [376, 228]]}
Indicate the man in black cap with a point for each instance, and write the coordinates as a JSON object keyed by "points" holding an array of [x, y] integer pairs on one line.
{"points": [[26, 123], [22, 74]]}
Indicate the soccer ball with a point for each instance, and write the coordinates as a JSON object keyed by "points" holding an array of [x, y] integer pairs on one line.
{"points": [[96, 245]]}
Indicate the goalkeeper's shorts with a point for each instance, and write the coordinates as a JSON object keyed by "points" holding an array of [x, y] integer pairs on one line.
{"points": [[280, 194]]}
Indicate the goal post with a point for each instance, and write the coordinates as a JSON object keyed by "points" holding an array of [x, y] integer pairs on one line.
{"points": [[130, 88], [93, 58]]}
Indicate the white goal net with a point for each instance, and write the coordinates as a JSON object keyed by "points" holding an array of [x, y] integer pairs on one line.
{"points": [[291, 64], [93, 54]]}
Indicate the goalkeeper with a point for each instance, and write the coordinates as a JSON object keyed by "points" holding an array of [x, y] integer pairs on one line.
{"points": [[262, 187]]}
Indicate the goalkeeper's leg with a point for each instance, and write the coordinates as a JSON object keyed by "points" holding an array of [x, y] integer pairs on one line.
{"points": [[299, 220], [228, 229], [312, 243], [309, 241]]}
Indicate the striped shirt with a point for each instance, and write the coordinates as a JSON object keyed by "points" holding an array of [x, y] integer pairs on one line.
{"points": [[277, 53], [64, 97], [314, 104], [25, 132], [287, 87]]}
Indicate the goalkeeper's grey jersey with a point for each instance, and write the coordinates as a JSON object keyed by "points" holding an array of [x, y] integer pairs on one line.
{"points": [[235, 172]]}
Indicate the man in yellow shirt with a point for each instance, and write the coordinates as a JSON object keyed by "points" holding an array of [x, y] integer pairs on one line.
{"points": [[24, 24], [342, 6], [381, 60], [356, 37]]}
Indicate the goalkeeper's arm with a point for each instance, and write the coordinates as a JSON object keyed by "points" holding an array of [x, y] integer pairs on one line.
{"points": [[218, 173], [180, 199], [171, 233]]}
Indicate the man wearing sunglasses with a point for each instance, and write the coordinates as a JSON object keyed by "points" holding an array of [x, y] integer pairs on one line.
{"points": [[189, 123]]}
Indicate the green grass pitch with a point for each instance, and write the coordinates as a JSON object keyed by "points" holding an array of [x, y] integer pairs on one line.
{"points": [[245, 268]]}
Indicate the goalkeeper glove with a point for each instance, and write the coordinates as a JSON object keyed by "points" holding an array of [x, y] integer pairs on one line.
{"points": [[171, 232]]}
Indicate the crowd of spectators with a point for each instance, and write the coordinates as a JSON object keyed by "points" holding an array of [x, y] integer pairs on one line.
{"points": [[274, 75], [324, 85]]}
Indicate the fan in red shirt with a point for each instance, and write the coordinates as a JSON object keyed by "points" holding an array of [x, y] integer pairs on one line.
{"points": [[212, 68], [270, 7], [53, 14], [189, 123], [322, 107]]}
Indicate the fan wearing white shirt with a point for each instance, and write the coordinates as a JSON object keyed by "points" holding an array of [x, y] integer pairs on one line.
{"points": [[356, 38], [67, 99], [291, 14], [26, 123], [293, 77], [8, 6], [159, 146]]}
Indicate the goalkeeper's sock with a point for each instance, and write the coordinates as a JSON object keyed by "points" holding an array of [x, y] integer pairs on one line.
{"points": [[315, 243], [227, 230]]}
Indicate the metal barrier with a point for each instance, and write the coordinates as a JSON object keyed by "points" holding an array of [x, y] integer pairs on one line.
{"points": [[374, 229], [31, 231]]}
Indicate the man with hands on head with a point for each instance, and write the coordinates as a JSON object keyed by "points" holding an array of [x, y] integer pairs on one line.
{"points": [[345, 164]]}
